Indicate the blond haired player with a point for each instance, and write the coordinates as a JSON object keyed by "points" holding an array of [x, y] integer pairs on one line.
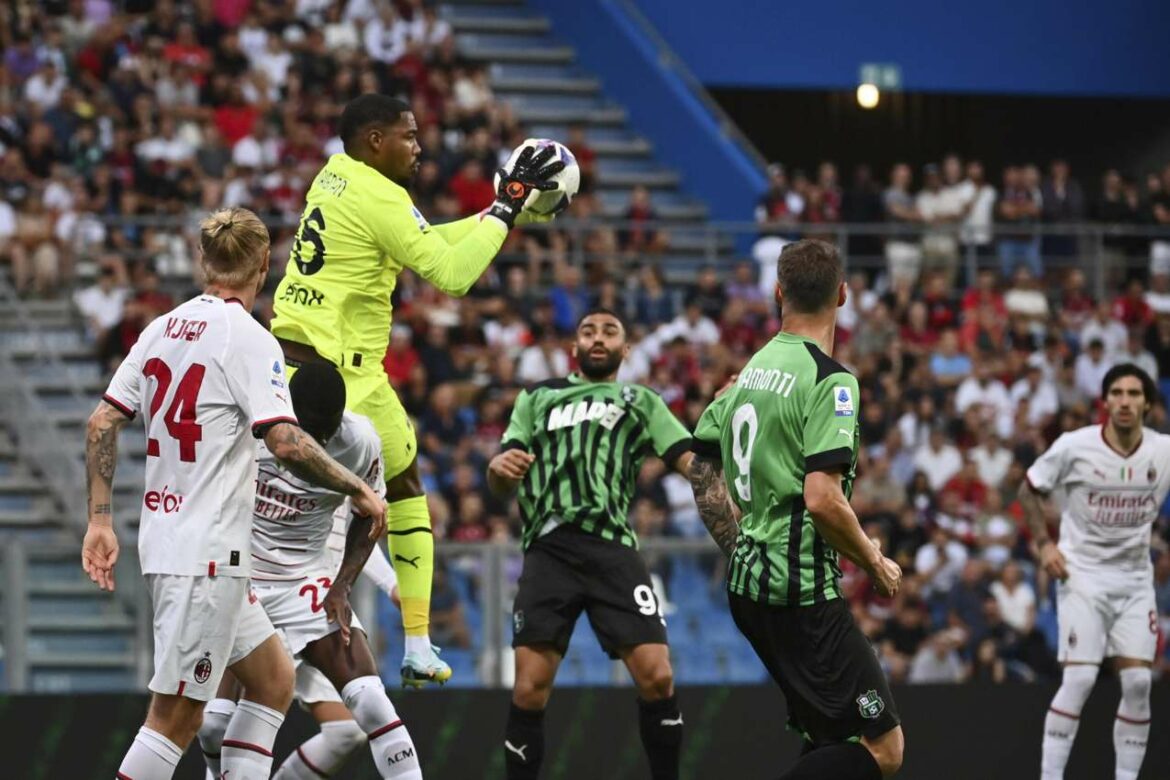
{"points": [[360, 230], [1114, 479], [207, 378]]}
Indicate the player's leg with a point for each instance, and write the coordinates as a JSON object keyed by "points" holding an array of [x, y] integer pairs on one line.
{"points": [[1133, 643], [659, 720], [536, 669], [411, 543], [171, 723], [549, 598], [264, 668], [325, 753], [1081, 648], [216, 716], [836, 691], [352, 671], [627, 619]]}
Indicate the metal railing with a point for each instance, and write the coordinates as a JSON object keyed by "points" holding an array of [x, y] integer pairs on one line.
{"points": [[483, 575], [1105, 252]]}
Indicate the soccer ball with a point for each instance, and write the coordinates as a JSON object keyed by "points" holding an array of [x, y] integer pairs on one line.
{"points": [[568, 181]]}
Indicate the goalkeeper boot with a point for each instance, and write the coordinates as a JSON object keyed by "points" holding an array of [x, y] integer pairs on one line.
{"points": [[419, 669]]}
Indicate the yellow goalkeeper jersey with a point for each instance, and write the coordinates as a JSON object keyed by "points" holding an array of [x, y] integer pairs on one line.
{"points": [[357, 233]]}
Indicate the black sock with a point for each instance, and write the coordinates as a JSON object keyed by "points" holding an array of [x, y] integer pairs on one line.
{"points": [[523, 743], [841, 761], [662, 731]]}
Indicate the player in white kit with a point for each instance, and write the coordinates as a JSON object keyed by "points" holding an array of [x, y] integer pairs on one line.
{"points": [[304, 588], [1114, 479], [207, 379]]}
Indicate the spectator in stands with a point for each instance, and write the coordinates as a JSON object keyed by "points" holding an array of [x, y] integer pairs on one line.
{"points": [[637, 237], [1091, 366], [903, 250], [938, 459], [1040, 395], [586, 157], [1158, 213], [1016, 598], [448, 623], [1063, 203], [941, 210], [995, 533], [877, 495], [780, 208], [1116, 205], [1136, 353], [708, 293], [101, 303], [978, 198], [1104, 328], [938, 660], [1025, 298], [1019, 209]]}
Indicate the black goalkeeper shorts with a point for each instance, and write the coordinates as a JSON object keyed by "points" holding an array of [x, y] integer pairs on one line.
{"points": [[568, 571], [835, 687]]}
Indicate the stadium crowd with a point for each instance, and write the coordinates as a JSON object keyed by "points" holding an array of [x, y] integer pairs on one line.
{"points": [[116, 117]]}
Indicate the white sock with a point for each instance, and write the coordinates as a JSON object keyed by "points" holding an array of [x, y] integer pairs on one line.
{"points": [[1131, 730], [390, 743], [324, 753], [151, 757], [418, 645], [216, 716], [247, 744], [1064, 715]]}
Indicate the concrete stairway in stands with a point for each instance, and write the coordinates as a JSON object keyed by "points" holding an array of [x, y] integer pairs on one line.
{"points": [[78, 638], [534, 71]]}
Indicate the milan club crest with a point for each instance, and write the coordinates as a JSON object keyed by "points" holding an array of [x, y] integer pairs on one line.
{"points": [[203, 669]]}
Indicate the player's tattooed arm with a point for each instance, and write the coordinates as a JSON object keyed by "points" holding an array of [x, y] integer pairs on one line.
{"points": [[300, 453], [714, 502], [101, 458]]}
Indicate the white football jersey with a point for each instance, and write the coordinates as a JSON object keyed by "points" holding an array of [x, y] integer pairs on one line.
{"points": [[207, 378], [294, 519], [1110, 501]]}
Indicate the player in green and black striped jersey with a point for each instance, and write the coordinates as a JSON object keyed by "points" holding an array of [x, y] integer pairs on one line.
{"points": [[775, 459], [573, 449]]}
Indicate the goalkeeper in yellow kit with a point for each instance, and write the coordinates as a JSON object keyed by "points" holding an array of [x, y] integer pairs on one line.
{"points": [[358, 231]]}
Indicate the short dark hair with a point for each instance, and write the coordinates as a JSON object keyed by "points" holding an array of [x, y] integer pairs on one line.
{"points": [[809, 273], [318, 398], [366, 110], [603, 310], [1149, 387]]}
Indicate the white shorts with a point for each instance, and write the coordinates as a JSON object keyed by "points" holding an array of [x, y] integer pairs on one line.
{"points": [[297, 609], [202, 625], [1106, 620], [313, 686]]}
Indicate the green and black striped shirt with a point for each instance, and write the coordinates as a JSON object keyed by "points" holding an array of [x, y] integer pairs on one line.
{"points": [[589, 439], [792, 410]]}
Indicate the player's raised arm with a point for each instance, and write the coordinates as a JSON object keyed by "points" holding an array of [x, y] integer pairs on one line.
{"points": [[455, 267], [99, 551]]}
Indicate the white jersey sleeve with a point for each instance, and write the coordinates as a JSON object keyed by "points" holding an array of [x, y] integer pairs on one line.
{"points": [[255, 371], [125, 390], [1049, 469]]}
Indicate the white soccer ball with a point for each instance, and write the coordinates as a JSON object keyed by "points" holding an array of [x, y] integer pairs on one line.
{"points": [[568, 181]]}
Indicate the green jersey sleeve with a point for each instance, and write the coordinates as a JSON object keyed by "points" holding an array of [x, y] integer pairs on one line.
{"points": [[518, 434], [668, 437], [451, 265], [709, 429], [830, 423]]}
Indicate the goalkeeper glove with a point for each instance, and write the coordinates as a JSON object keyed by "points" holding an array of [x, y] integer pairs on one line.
{"points": [[529, 176]]}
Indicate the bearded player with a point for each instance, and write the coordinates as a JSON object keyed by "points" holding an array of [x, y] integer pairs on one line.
{"points": [[572, 449], [1114, 478], [360, 230]]}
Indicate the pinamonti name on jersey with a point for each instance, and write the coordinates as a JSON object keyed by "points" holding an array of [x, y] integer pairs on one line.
{"points": [[792, 410], [589, 440]]}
